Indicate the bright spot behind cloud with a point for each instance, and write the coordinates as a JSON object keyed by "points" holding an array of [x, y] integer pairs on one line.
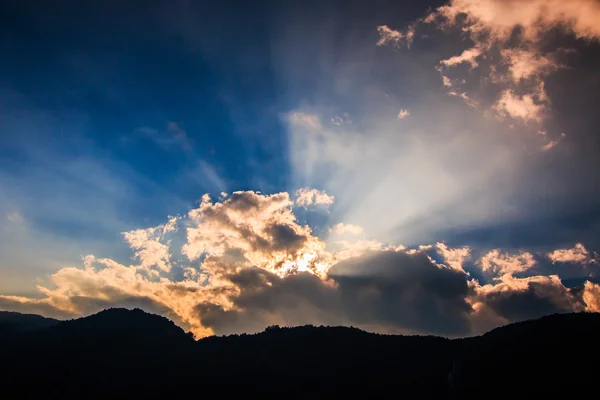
{"points": [[251, 264]]}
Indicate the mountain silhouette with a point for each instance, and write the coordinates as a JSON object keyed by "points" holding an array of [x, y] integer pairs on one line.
{"points": [[13, 322], [130, 353]]}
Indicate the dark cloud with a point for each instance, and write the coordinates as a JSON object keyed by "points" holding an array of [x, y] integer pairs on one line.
{"points": [[406, 291], [266, 299], [540, 296], [390, 290]]}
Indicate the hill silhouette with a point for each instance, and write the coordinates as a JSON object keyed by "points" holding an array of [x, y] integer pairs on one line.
{"points": [[13, 322], [118, 353]]}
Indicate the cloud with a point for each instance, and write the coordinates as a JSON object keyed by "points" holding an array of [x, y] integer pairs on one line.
{"points": [[172, 137], [251, 264], [526, 64], [510, 46], [454, 257], [468, 56], [526, 108], [341, 228], [388, 35], [591, 296], [464, 97], [403, 291], [306, 197], [577, 254], [403, 114], [518, 299], [500, 18], [252, 229], [305, 119], [552, 143], [504, 265], [384, 288], [15, 218], [148, 249]]}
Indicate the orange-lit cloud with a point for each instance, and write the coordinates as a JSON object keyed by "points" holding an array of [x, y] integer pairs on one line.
{"points": [[525, 108], [403, 114], [504, 265], [509, 43], [387, 35], [250, 263], [454, 257], [577, 254]]}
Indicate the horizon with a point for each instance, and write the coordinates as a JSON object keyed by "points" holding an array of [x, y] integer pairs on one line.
{"points": [[399, 167], [292, 327]]}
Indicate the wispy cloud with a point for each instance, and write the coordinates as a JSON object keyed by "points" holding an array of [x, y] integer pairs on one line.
{"points": [[173, 137], [388, 35]]}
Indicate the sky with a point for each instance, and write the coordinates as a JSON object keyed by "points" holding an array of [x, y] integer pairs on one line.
{"points": [[399, 166]]}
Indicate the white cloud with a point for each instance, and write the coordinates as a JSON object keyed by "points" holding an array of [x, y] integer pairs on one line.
{"points": [[306, 197], [342, 228], [148, 248]]}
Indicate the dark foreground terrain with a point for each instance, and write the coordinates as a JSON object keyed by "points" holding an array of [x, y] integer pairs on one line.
{"points": [[131, 354]]}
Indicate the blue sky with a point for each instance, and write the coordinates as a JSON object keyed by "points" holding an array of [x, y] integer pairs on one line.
{"points": [[115, 116]]}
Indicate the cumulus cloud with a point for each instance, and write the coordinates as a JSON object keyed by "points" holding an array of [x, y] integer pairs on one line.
{"points": [[577, 254], [403, 290], [517, 299], [251, 264], [251, 229], [147, 246], [454, 257], [504, 265], [306, 197]]}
